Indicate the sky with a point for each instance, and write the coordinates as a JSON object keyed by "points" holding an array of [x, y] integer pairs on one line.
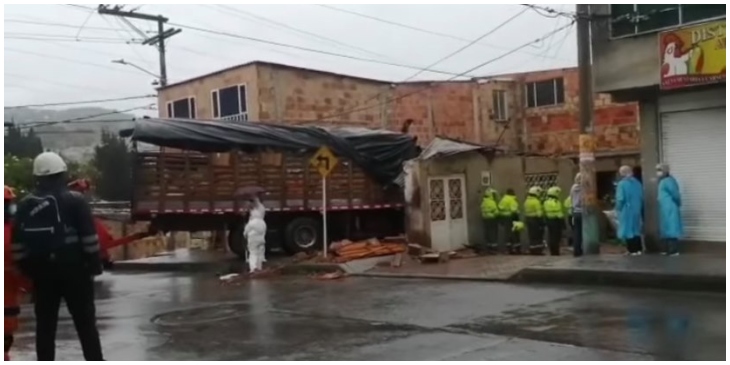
{"points": [[64, 53]]}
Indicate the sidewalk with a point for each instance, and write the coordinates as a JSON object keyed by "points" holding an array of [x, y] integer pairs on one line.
{"points": [[693, 272]]}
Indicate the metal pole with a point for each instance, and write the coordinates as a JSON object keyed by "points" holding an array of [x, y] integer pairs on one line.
{"points": [[324, 215], [587, 144], [163, 65]]}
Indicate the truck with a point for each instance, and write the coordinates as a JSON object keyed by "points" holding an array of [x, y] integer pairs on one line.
{"points": [[193, 175]]}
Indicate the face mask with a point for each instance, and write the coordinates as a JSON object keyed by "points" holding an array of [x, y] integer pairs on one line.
{"points": [[659, 173]]}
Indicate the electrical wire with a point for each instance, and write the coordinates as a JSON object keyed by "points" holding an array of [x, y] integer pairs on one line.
{"points": [[50, 24], [71, 60], [417, 29], [44, 39], [49, 82], [301, 31], [432, 85], [61, 36], [471, 43], [80, 119], [82, 102], [306, 49]]}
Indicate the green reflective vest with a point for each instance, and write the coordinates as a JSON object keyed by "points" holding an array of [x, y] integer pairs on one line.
{"points": [[533, 207], [489, 208], [553, 208], [508, 206]]}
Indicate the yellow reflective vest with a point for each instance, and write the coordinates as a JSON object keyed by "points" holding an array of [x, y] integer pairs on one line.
{"points": [[508, 206], [533, 207], [489, 208], [553, 208]]}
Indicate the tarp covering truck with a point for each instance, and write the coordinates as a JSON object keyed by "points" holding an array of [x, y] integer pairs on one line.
{"points": [[193, 178]]}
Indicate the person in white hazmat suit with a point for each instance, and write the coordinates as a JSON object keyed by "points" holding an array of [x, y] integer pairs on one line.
{"points": [[255, 234]]}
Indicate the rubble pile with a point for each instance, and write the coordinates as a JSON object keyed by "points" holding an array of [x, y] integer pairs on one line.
{"points": [[346, 250]]}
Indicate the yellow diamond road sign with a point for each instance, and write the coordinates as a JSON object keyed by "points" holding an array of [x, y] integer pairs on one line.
{"points": [[324, 161]]}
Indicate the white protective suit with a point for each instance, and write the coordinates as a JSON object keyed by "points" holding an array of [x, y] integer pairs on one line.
{"points": [[255, 234]]}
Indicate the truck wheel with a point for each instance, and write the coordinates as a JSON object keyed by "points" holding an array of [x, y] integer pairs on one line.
{"points": [[236, 241], [303, 234]]}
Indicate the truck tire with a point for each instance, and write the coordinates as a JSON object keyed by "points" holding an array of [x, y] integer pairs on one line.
{"points": [[303, 234], [236, 241]]}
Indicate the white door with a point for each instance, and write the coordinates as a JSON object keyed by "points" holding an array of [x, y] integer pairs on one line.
{"points": [[447, 212], [693, 144]]}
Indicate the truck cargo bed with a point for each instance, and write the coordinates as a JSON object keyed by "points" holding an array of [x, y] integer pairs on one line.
{"points": [[194, 182]]}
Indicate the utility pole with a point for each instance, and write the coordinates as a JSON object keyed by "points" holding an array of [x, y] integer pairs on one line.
{"points": [[587, 144], [158, 40]]}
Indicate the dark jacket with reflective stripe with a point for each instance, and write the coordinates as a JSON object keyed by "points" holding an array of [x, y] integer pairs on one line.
{"points": [[80, 249]]}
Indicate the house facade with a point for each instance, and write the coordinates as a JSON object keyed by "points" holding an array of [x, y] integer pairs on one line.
{"points": [[670, 59]]}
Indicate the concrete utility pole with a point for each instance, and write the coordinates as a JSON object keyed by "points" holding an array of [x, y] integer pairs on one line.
{"points": [[158, 40], [587, 144]]}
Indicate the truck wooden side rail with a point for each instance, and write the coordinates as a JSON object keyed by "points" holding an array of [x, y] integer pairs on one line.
{"points": [[193, 191]]}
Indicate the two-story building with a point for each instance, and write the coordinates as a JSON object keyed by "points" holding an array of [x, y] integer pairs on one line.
{"points": [[531, 113], [671, 60]]}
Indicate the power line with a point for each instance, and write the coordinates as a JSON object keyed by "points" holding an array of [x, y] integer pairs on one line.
{"points": [[417, 29], [61, 25], [46, 81], [471, 43], [65, 36], [301, 31], [82, 102], [432, 85], [70, 60], [79, 119], [83, 40], [286, 45]]}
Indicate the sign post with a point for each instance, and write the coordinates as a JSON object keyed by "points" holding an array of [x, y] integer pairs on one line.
{"points": [[324, 161]]}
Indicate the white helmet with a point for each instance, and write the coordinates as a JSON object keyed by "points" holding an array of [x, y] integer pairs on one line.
{"points": [[48, 163]]}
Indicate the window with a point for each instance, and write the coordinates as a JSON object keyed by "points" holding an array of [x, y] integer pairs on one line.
{"points": [[630, 19], [545, 93], [500, 112], [182, 108], [230, 103]]}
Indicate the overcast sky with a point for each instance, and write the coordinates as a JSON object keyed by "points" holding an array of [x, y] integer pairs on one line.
{"points": [[44, 64]]}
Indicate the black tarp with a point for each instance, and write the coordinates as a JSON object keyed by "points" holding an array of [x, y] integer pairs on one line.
{"points": [[380, 153]]}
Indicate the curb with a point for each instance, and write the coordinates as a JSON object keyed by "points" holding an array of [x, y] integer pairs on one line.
{"points": [[427, 276], [649, 280]]}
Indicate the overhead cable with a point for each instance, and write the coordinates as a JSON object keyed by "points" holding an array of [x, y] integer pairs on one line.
{"points": [[82, 102]]}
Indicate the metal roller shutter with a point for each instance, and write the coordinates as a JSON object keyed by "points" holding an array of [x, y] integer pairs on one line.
{"points": [[693, 143]]}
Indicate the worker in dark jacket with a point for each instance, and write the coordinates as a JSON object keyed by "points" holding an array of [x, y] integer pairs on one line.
{"points": [[554, 219], [509, 211], [490, 216], [534, 220], [56, 246]]}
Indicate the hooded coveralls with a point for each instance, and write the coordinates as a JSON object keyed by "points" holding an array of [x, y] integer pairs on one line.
{"points": [[255, 234], [629, 203], [671, 228], [490, 215]]}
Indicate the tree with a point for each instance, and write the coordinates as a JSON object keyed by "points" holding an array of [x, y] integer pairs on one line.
{"points": [[22, 144], [113, 162], [19, 173]]}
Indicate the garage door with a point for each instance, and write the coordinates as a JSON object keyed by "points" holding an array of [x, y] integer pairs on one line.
{"points": [[693, 143]]}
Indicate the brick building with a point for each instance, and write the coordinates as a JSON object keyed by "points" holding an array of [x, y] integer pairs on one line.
{"points": [[534, 113]]}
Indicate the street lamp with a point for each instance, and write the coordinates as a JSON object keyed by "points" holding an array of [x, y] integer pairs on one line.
{"points": [[121, 61]]}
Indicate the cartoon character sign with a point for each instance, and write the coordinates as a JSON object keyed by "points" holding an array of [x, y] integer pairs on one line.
{"points": [[676, 57], [693, 55]]}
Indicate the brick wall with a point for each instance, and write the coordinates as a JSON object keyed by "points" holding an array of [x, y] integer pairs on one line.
{"points": [[298, 96]]}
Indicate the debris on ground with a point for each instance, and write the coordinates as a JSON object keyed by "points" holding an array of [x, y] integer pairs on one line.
{"points": [[330, 275], [397, 260], [346, 250]]}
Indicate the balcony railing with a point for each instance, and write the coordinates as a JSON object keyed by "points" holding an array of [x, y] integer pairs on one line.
{"points": [[241, 117]]}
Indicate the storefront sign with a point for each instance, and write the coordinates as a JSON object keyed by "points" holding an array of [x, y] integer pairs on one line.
{"points": [[693, 55]]}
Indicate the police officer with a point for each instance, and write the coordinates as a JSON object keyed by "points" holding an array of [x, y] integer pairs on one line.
{"points": [[509, 211], [55, 244], [554, 219], [490, 216], [534, 220]]}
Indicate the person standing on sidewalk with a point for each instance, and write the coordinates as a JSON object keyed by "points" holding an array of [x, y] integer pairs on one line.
{"points": [[555, 219], [490, 215], [568, 211], [629, 204], [509, 211], [534, 218], [671, 228], [576, 211]]}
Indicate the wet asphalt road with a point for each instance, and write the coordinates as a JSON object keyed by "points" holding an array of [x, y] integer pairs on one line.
{"points": [[174, 317]]}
